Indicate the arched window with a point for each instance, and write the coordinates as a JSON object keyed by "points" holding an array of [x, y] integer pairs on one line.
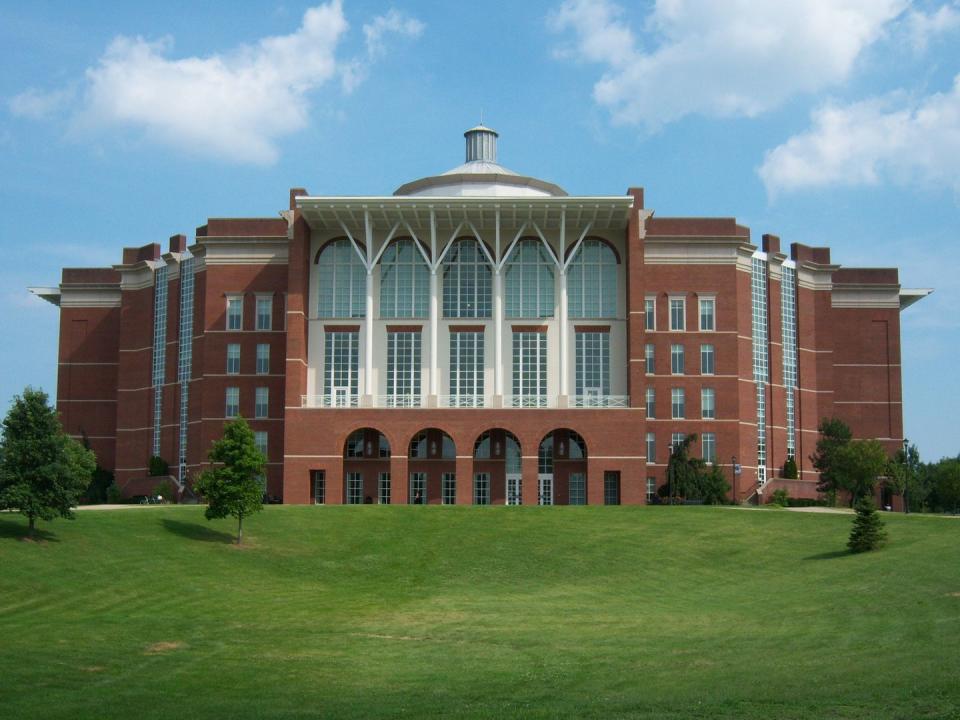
{"points": [[342, 282], [530, 281], [592, 281], [404, 282], [466, 281]]}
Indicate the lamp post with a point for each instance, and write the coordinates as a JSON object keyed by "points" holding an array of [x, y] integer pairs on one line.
{"points": [[906, 475], [733, 478], [670, 470]]}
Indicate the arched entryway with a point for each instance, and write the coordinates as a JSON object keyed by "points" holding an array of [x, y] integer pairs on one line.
{"points": [[432, 464], [496, 469], [562, 469], [366, 468]]}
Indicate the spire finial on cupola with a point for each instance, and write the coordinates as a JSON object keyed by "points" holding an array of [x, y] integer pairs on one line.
{"points": [[481, 144]]}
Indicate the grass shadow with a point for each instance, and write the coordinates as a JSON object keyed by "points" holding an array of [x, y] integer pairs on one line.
{"points": [[832, 555], [18, 531], [193, 531]]}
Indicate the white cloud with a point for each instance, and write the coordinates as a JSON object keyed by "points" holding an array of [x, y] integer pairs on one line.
{"points": [[891, 138], [233, 106], [394, 22], [925, 27], [37, 104], [735, 58]]}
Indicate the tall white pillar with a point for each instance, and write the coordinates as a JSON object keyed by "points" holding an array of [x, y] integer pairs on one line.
{"points": [[564, 336], [434, 332], [498, 333], [368, 387]]}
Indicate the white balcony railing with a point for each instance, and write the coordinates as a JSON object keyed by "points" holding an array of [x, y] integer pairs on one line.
{"points": [[463, 401], [530, 401], [329, 401], [599, 401], [397, 401]]}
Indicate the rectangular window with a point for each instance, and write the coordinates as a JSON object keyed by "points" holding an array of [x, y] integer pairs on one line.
{"points": [[650, 314], [261, 405], [235, 312], [708, 314], [529, 369], [466, 369], [678, 406], [264, 312], [651, 447], [341, 363], [448, 487], [319, 479], [263, 359], [354, 488], [233, 403], [233, 359], [708, 441], [651, 489], [707, 360], [676, 359], [383, 488], [481, 489], [260, 440], [676, 439], [593, 364], [418, 488], [578, 489], [678, 312], [708, 403], [648, 358], [159, 351], [403, 369], [611, 487], [651, 403]]}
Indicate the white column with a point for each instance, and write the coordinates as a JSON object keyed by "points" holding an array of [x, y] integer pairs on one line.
{"points": [[497, 315], [434, 309], [564, 339], [368, 327]]}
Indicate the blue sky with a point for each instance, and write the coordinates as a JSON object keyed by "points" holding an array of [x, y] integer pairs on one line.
{"points": [[825, 122]]}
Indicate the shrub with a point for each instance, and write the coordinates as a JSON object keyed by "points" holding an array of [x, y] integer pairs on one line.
{"points": [[790, 469], [867, 533], [166, 489], [807, 502], [114, 495], [158, 466], [780, 497]]}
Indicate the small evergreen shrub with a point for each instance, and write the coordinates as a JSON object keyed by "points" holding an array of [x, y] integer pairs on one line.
{"points": [[166, 490], [790, 469], [158, 466], [780, 497], [867, 533], [114, 495]]}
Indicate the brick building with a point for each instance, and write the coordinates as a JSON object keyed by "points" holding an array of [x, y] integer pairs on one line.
{"points": [[479, 336]]}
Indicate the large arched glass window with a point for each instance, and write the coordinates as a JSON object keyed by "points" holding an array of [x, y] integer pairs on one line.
{"points": [[530, 281], [404, 282], [466, 281], [592, 281], [342, 282]]}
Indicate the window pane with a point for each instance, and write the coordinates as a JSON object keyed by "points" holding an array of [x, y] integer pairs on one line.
{"points": [[404, 282], [466, 281], [592, 281], [529, 281], [593, 363], [341, 281], [264, 313], [677, 314]]}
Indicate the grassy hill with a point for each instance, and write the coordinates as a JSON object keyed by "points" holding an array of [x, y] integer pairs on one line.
{"points": [[413, 612]]}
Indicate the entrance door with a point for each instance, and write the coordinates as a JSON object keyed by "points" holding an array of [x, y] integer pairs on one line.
{"points": [[546, 488], [341, 396], [514, 489]]}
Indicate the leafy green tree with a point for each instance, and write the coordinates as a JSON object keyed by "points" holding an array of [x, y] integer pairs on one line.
{"points": [[683, 471], [856, 466], [946, 484], [790, 471], [233, 486], [43, 472], [867, 532], [834, 434], [714, 486]]}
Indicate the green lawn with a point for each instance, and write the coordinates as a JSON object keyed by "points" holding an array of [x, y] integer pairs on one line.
{"points": [[478, 613]]}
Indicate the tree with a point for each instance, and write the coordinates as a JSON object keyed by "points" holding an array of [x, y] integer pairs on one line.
{"points": [[233, 487], [946, 484], [683, 471], [856, 466], [43, 472], [714, 486], [834, 434], [867, 533], [790, 471]]}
